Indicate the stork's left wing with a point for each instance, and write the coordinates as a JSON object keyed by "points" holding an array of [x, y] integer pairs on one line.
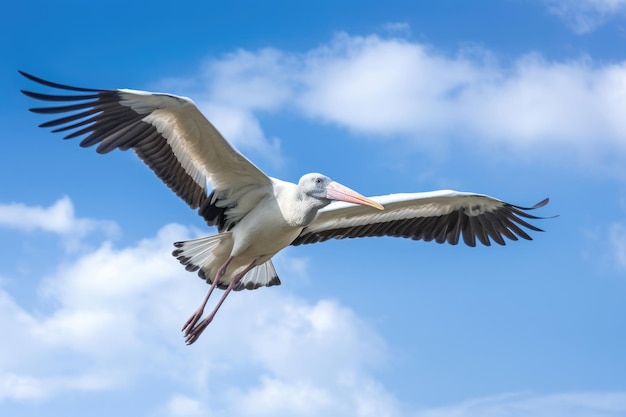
{"points": [[442, 216]]}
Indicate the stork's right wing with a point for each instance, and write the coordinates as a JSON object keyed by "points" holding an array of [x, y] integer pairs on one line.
{"points": [[169, 133]]}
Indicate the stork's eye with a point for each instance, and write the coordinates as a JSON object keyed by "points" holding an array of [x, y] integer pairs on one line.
{"points": [[318, 180]]}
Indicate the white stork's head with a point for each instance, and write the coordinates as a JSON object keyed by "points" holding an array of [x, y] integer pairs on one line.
{"points": [[321, 188]]}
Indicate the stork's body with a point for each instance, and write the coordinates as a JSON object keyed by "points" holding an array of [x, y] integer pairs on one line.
{"points": [[256, 215], [272, 224], [269, 226]]}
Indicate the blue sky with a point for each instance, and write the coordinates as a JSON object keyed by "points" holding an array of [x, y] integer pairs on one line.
{"points": [[516, 99]]}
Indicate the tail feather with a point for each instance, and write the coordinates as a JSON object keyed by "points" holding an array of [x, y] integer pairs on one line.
{"points": [[263, 275], [197, 253]]}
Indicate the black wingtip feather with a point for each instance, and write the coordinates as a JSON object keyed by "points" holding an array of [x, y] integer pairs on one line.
{"points": [[541, 203], [55, 85], [52, 97]]}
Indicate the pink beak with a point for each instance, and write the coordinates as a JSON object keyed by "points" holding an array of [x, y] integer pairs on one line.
{"points": [[336, 191]]}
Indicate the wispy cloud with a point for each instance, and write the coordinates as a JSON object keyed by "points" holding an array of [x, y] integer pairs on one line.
{"points": [[581, 404], [617, 242], [584, 16], [605, 244], [184, 406]]}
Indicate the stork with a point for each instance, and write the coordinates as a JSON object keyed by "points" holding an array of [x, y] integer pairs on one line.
{"points": [[257, 215]]}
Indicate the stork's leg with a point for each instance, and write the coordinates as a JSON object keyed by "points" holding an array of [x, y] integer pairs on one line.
{"points": [[194, 333], [191, 322]]}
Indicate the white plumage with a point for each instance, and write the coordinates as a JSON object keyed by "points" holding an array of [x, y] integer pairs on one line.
{"points": [[256, 215]]}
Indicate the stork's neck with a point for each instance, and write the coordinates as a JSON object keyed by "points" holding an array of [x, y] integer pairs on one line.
{"points": [[307, 209], [301, 209], [297, 207]]}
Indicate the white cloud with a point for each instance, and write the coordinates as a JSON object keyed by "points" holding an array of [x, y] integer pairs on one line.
{"points": [[243, 129], [183, 406], [59, 218], [584, 16], [277, 397], [90, 331], [253, 81], [110, 318], [28, 388], [231, 90], [395, 89], [379, 86]]}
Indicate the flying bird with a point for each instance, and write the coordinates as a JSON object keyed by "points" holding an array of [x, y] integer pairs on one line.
{"points": [[256, 215]]}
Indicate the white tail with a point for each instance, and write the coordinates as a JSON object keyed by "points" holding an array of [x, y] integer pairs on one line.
{"points": [[261, 276], [197, 253]]}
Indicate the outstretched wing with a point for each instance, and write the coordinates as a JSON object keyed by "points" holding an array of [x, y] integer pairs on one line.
{"points": [[169, 133], [442, 216]]}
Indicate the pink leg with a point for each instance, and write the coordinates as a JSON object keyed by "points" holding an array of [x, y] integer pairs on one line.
{"points": [[191, 322], [194, 333]]}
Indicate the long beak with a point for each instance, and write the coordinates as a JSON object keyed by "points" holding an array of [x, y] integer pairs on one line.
{"points": [[336, 191]]}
